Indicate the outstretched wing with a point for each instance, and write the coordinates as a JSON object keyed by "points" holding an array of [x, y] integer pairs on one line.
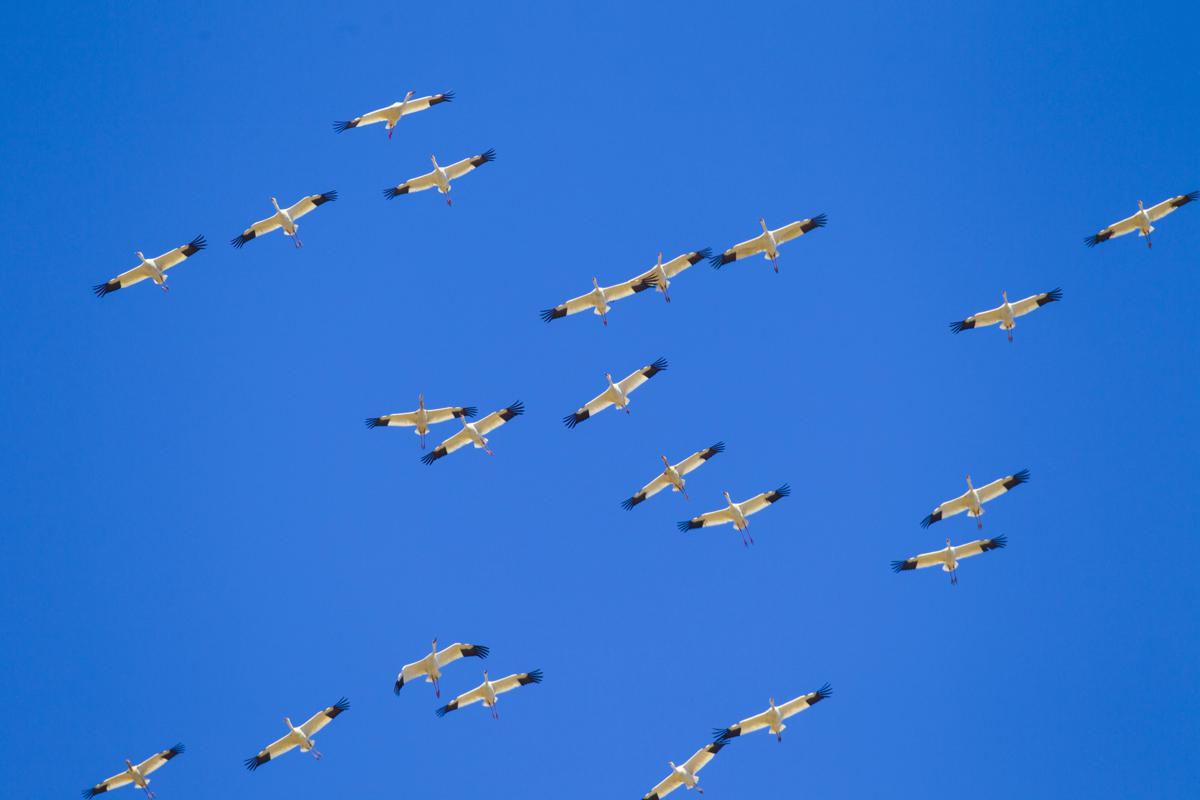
{"points": [[417, 184], [707, 520], [510, 682], [741, 250], [760, 501], [696, 460], [309, 204], [158, 759], [260, 228], [460, 168], [464, 699], [792, 707], [642, 375], [649, 490], [980, 320], [1023, 307], [998, 487], [323, 717], [1159, 211], [795, 230], [497, 418], [274, 750]]}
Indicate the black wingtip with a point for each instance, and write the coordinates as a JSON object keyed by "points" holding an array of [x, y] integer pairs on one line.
{"points": [[343, 125], [239, 240], [487, 156], [1054, 295], [659, 365], [178, 748], [898, 566], [199, 243], [253, 763], [999, 542], [720, 260], [106, 288], [927, 521], [430, 457], [398, 686], [341, 705], [571, 420], [390, 192], [825, 691], [819, 220], [329, 196], [784, 490], [720, 735], [548, 314], [1093, 240], [534, 677], [719, 447], [959, 326], [446, 97], [481, 651], [441, 712], [375, 422], [684, 525], [88, 794], [516, 409], [630, 502], [704, 254], [470, 411], [1020, 477]]}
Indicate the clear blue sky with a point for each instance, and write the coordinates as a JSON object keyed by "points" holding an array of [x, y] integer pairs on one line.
{"points": [[199, 536]]}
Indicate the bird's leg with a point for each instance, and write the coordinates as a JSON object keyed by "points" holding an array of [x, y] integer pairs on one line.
{"points": [[1010, 336], [437, 687], [316, 754], [449, 202], [423, 447], [391, 130], [775, 263], [604, 319]]}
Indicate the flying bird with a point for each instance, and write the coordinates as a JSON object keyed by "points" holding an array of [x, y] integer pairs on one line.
{"points": [[972, 500], [301, 737], [685, 773], [1006, 313], [475, 433], [284, 218], [768, 241], [598, 299], [392, 114], [153, 268], [661, 273], [489, 692], [441, 176], [673, 475], [422, 418], [135, 774], [617, 394], [431, 665], [1142, 221], [949, 556], [772, 719], [737, 513]]}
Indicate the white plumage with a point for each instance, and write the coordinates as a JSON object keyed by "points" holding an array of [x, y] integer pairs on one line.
{"points": [[489, 691], [599, 299], [422, 418], [284, 218], [949, 556], [301, 737], [135, 774], [440, 177], [617, 394], [772, 719], [972, 500], [673, 474], [660, 274], [475, 433], [768, 241], [685, 774], [1142, 220], [431, 665], [736, 513], [153, 268], [392, 114], [1006, 313]]}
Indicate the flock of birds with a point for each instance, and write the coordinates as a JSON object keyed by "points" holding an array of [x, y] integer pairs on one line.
{"points": [[616, 394]]}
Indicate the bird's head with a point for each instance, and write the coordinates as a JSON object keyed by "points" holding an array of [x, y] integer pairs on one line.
{"points": [[771, 700], [140, 255], [660, 257], [1004, 294], [288, 721], [665, 461], [595, 283], [671, 764], [968, 479], [947, 541], [274, 202], [421, 404], [409, 95], [485, 677], [763, 222], [1139, 205], [434, 643], [433, 158], [129, 763], [727, 497], [608, 377]]}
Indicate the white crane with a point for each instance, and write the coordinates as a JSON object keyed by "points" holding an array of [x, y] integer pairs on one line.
{"points": [[284, 218], [301, 737], [422, 418], [737, 513], [475, 433], [441, 176], [949, 556], [1006, 313], [431, 665], [768, 241], [489, 691], [660, 274], [772, 719], [135, 774], [972, 500], [153, 268], [598, 299], [617, 394], [673, 474], [392, 114], [685, 774], [1142, 221]]}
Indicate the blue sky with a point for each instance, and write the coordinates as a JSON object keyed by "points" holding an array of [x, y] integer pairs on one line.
{"points": [[200, 536]]}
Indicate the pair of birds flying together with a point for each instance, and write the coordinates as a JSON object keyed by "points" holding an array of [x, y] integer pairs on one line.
{"points": [[488, 692], [601, 298], [686, 774], [970, 501], [473, 433]]}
